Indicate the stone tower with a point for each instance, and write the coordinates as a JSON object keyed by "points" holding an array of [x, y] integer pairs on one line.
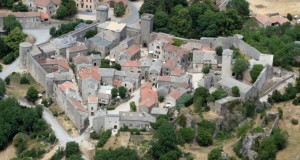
{"points": [[102, 13], [23, 49], [146, 28], [226, 63]]}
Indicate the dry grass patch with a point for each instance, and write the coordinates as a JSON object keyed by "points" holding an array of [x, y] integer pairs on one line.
{"points": [[64, 120], [120, 140], [273, 6], [289, 112], [18, 90], [140, 143]]}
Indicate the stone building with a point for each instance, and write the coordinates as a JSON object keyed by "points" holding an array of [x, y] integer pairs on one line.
{"points": [[137, 120], [78, 49], [93, 104], [89, 82], [227, 57], [172, 97], [146, 28], [203, 57], [148, 98]]}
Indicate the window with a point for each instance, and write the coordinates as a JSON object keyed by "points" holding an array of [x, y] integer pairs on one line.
{"points": [[92, 108]]}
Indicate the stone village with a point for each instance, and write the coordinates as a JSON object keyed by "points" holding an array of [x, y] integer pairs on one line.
{"points": [[151, 67]]}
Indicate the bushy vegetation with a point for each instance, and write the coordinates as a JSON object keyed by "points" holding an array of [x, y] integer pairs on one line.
{"points": [[9, 45], [277, 97], [206, 69], [20, 7], [205, 133], [2, 88], [72, 148], [235, 91], [114, 154], [184, 101], [32, 94], [187, 134], [103, 138], [294, 121], [64, 28], [119, 9], [197, 19], [255, 71], [90, 34], [66, 9], [59, 154], [18, 119], [133, 107]]}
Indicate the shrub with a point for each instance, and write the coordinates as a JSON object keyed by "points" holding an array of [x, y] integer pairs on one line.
{"points": [[24, 80], [219, 50], [119, 9], [59, 154], [103, 138], [294, 121], [133, 107], [235, 91], [255, 71], [72, 148], [205, 132], [90, 34], [188, 134], [184, 101], [296, 101], [206, 69], [94, 135], [32, 94], [161, 98], [289, 17], [7, 81]]}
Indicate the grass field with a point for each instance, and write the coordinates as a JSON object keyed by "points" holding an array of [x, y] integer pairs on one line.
{"points": [[18, 90], [273, 6]]}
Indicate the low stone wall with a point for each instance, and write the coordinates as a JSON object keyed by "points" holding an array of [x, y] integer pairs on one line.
{"points": [[265, 75]]}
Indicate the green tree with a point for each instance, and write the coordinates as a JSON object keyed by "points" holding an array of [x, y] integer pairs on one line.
{"points": [[219, 93], [188, 134], [182, 24], [119, 9], [14, 38], [219, 50], [4, 49], [267, 149], [289, 17], [161, 99], [20, 7], [280, 138], [122, 91], [166, 141], [161, 22], [255, 71], [10, 22], [240, 66], [24, 80], [206, 69], [249, 107], [32, 94], [215, 154], [2, 88], [90, 34], [53, 31], [62, 12], [235, 91], [133, 107], [118, 153], [75, 157], [114, 92], [72, 148], [204, 138], [7, 81], [242, 6]]}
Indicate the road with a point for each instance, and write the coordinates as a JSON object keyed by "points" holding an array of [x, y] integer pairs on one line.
{"points": [[135, 95], [133, 16], [9, 69], [41, 35]]}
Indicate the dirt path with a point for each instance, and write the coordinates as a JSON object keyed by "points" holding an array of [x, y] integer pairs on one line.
{"points": [[48, 155], [8, 153], [228, 148]]}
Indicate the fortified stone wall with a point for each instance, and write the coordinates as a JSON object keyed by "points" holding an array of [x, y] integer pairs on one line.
{"points": [[80, 33], [35, 69], [265, 75], [80, 119]]}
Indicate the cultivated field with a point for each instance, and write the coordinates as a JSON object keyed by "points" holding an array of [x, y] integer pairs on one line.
{"points": [[273, 6]]}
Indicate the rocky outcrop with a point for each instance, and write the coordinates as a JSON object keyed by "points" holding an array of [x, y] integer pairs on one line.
{"points": [[248, 145]]}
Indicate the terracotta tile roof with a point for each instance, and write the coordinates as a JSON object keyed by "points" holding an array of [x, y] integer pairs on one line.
{"points": [[174, 49], [177, 71], [57, 2], [79, 47], [264, 19], [132, 64], [164, 37], [206, 48], [132, 50], [164, 78], [77, 105], [117, 83], [90, 73], [148, 97], [183, 85], [92, 99], [43, 3], [147, 85], [61, 62], [67, 85], [81, 59], [44, 15], [169, 64], [175, 94]]}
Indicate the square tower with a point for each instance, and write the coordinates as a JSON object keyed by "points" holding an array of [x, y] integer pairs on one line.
{"points": [[227, 56], [146, 28]]}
